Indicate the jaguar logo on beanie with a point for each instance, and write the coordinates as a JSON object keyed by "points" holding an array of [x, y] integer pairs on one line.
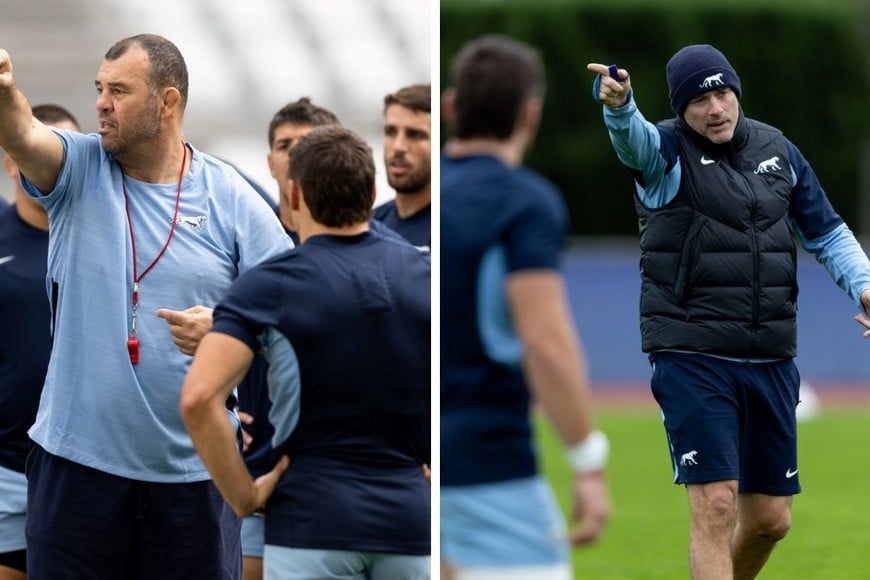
{"points": [[696, 69]]}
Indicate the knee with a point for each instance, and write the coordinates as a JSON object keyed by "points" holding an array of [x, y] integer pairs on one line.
{"points": [[722, 506], [715, 505], [774, 527]]}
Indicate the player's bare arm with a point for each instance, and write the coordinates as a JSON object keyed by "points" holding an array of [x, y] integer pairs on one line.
{"points": [[220, 363], [34, 147], [556, 371]]}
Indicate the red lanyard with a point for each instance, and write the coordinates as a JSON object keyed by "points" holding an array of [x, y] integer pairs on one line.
{"points": [[133, 341]]}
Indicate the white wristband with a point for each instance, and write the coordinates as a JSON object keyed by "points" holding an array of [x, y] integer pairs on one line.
{"points": [[591, 454]]}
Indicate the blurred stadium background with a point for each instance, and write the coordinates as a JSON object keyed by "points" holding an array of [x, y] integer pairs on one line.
{"points": [[245, 59]]}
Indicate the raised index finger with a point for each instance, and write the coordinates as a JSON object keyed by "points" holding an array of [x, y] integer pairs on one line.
{"points": [[598, 68]]}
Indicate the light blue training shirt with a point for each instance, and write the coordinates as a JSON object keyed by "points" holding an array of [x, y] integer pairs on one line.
{"points": [[98, 409]]}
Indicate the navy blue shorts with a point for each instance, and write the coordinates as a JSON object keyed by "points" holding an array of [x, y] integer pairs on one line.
{"points": [[729, 420], [84, 523]]}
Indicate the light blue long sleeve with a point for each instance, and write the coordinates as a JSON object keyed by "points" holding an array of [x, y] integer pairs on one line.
{"points": [[638, 146], [844, 259]]}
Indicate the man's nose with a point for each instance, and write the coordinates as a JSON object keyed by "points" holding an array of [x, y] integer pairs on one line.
{"points": [[400, 144], [102, 102]]}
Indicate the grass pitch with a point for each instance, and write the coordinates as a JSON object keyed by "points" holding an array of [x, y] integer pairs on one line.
{"points": [[648, 531]]}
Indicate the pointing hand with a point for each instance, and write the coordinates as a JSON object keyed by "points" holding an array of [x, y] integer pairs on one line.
{"points": [[611, 93]]}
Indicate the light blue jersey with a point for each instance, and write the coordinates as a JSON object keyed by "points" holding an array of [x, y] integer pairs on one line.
{"points": [[97, 409]]}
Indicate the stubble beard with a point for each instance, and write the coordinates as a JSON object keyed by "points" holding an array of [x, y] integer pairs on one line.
{"points": [[410, 184], [143, 131]]}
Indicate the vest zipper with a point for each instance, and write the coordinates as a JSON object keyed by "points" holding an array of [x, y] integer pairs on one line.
{"points": [[756, 259], [756, 264]]}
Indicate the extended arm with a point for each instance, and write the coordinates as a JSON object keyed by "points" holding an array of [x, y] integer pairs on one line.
{"points": [[824, 234], [33, 146], [638, 143], [220, 363], [844, 259], [556, 371]]}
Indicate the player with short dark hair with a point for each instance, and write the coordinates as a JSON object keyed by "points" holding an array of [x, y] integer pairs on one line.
{"points": [[407, 155], [345, 322], [508, 335], [287, 126]]}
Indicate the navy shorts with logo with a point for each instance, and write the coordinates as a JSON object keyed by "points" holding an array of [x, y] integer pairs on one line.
{"points": [[84, 523], [729, 419]]}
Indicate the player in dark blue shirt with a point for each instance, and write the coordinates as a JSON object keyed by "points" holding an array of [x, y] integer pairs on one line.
{"points": [[407, 155], [507, 336], [25, 345], [345, 322]]}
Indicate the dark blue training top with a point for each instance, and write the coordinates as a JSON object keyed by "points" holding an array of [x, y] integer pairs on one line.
{"points": [[495, 221], [254, 400], [346, 324], [417, 228], [25, 333], [253, 392]]}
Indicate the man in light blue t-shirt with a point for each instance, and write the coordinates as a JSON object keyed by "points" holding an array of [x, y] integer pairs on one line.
{"points": [[139, 220]]}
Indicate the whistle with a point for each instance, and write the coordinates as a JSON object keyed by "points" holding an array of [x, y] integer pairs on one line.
{"points": [[133, 349]]}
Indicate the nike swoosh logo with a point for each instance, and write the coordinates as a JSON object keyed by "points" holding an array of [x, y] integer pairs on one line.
{"points": [[789, 473], [5, 259], [705, 161]]}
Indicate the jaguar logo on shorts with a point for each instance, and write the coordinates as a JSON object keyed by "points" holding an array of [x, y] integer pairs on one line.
{"points": [[688, 458]]}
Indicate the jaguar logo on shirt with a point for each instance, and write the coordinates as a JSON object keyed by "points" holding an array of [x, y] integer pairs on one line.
{"points": [[768, 165], [193, 222]]}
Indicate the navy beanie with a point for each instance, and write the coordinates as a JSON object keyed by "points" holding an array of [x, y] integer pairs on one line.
{"points": [[697, 69]]}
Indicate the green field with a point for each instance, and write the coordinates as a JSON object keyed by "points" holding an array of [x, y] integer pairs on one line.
{"points": [[647, 534]]}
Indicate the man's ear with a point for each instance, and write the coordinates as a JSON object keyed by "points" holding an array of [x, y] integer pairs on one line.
{"points": [[295, 196], [448, 105], [171, 99], [10, 166], [530, 115]]}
